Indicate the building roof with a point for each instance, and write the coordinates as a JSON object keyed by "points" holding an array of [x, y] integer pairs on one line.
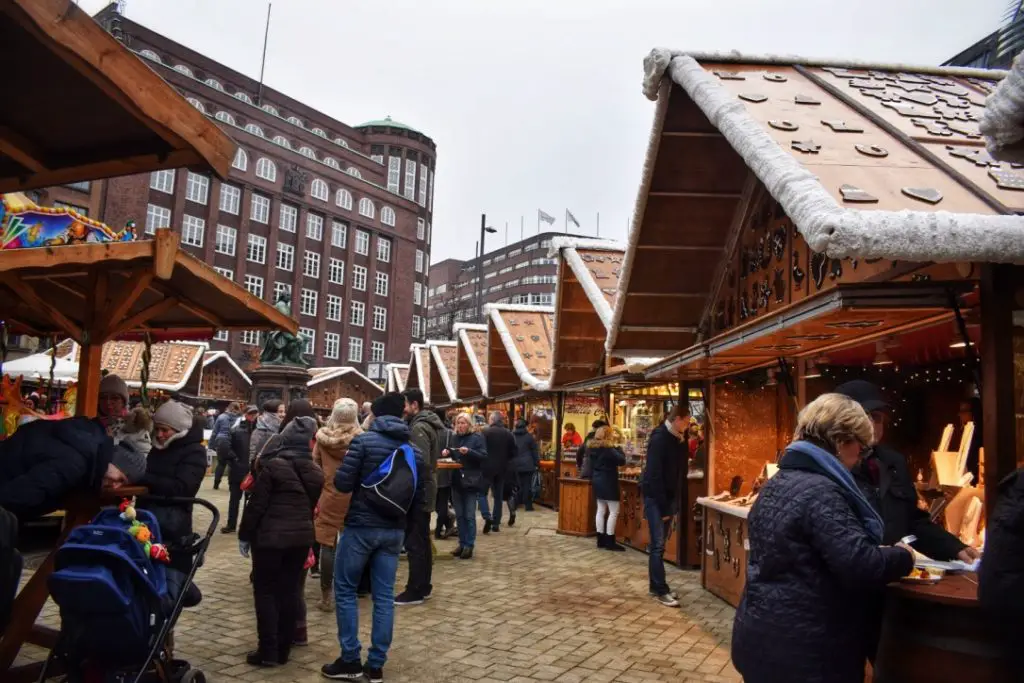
{"points": [[419, 370], [519, 348], [125, 119], [325, 374], [171, 365], [868, 161], [443, 368], [211, 357], [388, 122], [397, 374], [470, 360]]}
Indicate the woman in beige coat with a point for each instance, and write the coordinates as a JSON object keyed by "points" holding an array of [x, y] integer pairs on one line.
{"points": [[332, 442]]}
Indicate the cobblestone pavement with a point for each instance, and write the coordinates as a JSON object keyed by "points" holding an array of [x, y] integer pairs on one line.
{"points": [[530, 606]]}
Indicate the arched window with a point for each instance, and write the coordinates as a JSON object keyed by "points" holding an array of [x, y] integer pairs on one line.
{"points": [[353, 171], [320, 131], [266, 169], [332, 162], [241, 161], [387, 216], [366, 208], [270, 109], [197, 104], [318, 190], [254, 129], [150, 55], [340, 141], [214, 83], [182, 69], [225, 117], [283, 141], [296, 121], [307, 152], [242, 96], [343, 198]]}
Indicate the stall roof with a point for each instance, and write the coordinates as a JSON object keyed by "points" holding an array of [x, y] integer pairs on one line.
{"points": [[419, 370], [519, 340], [118, 288], [397, 374], [442, 369], [213, 356], [171, 366], [325, 374], [111, 114], [588, 280], [470, 360], [869, 162]]}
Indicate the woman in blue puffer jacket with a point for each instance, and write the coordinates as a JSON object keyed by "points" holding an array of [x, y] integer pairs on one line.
{"points": [[467, 446], [816, 566]]}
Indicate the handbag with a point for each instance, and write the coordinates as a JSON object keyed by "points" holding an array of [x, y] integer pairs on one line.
{"points": [[247, 482], [310, 560]]}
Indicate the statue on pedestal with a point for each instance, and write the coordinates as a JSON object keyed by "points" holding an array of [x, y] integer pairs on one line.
{"points": [[284, 348]]}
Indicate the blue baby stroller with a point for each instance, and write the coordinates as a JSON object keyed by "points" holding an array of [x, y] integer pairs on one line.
{"points": [[115, 609]]}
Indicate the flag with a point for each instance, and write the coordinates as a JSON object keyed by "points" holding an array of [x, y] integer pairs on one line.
{"points": [[541, 216], [570, 217]]}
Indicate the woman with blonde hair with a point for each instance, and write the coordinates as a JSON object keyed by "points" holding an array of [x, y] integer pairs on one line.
{"points": [[816, 567], [331, 445], [605, 459], [467, 446]]}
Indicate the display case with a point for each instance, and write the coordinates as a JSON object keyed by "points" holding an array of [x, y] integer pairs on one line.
{"points": [[725, 546]]}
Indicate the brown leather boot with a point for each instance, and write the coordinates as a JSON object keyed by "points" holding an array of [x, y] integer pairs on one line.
{"points": [[326, 603]]}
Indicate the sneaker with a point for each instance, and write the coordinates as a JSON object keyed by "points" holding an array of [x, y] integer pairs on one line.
{"points": [[257, 658], [314, 571], [487, 526], [228, 530], [408, 598], [457, 551], [667, 600], [495, 528], [340, 670], [512, 519], [374, 675]]}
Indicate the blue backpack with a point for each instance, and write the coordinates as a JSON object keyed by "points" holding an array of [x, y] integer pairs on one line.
{"points": [[391, 488]]}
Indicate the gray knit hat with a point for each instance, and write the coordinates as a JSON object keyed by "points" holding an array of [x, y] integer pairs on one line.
{"points": [[112, 384], [177, 416], [129, 461]]}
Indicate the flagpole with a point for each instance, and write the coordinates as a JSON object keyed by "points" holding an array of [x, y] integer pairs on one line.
{"points": [[567, 221], [263, 62], [538, 221], [522, 223], [598, 223], [506, 233]]}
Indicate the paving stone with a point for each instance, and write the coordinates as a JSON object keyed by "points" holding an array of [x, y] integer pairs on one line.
{"points": [[524, 609]]}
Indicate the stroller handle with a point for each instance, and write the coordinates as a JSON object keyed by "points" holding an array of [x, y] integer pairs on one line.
{"points": [[190, 501]]}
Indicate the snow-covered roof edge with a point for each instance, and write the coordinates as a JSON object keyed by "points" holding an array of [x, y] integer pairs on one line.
{"points": [[495, 311], [474, 362], [735, 56], [565, 242], [218, 355], [442, 369], [646, 175], [340, 371], [163, 386], [414, 350], [472, 327], [394, 377], [1002, 123], [590, 287]]}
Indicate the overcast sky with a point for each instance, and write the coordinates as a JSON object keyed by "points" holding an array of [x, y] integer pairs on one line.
{"points": [[534, 104]]}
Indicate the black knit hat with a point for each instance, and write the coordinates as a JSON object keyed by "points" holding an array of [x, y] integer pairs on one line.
{"points": [[865, 393], [392, 403]]}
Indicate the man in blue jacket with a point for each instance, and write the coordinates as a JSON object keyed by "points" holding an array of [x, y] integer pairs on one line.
{"points": [[370, 539], [667, 453]]}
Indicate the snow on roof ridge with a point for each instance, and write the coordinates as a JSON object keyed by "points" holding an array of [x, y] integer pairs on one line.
{"points": [[442, 369], [495, 312], [1002, 123], [590, 287], [217, 355], [440, 342], [474, 362], [518, 308], [566, 242], [662, 56], [335, 371], [472, 327]]}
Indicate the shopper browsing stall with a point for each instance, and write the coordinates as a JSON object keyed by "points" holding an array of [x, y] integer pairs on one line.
{"points": [[468, 448], [605, 460]]}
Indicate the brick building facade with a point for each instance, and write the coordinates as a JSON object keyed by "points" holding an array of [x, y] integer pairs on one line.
{"points": [[337, 216]]}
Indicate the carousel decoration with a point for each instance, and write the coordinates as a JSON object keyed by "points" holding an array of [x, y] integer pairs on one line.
{"points": [[23, 224]]}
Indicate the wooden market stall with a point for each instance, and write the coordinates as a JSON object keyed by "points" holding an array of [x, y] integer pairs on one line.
{"points": [[470, 363], [418, 376], [328, 384], [442, 371], [222, 381], [826, 206], [397, 374]]}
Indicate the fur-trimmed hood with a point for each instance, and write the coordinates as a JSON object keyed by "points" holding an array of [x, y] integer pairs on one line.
{"points": [[337, 437]]}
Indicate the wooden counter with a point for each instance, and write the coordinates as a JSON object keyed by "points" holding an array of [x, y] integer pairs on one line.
{"points": [[548, 484], [724, 561], [631, 529], [577, 508], [938, 634]]}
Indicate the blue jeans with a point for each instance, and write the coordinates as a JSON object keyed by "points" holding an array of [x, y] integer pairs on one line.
{"points": [[465, 513], [359, 547], [659, 532]]}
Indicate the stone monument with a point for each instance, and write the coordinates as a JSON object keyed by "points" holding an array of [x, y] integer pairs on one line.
{"points": [[283, 372]]}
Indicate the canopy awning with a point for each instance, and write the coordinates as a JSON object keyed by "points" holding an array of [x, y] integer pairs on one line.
{"points": [[83, 107], [831, 320], [37, 367], [470, 361]]}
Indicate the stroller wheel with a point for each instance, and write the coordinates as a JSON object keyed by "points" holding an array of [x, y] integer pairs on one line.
{"points": [[193, 676]]}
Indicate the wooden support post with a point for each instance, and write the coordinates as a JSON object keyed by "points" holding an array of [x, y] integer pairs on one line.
{"points": [[998, 286], [89, 377], [557, 438]]}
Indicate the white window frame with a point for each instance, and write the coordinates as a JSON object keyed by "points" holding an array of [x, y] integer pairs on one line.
{"points": [[409, 190], [162, 181], [362, 245], [332, 162], [255, 130], [254, 285], [387, 216], [157, 217], [244, 97], [311, 264], [230, 199], [307, 152], [366, 207], [308, 334], [285, 257], [421, 229], [282, 141], [309, 299], [288, 218], [226, 240], [355, 350], [383, 249], [333, 307], [197, 188], [332, 345], [296, 121], [357, 314], [380, 318], [343, 199], [336, 271], [225, 117], [241, 160], [359, 278], [394, 174], [423, 185], [191, 227], [266, 169], [339, 234], [256, 249], [259, 209], [417, 294], [250, 338], [315, 227], [377, 352], [419, 261]]}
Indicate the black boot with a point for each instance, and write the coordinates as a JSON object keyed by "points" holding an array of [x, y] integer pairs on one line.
{"points": [[610, 544], [600, 540]]}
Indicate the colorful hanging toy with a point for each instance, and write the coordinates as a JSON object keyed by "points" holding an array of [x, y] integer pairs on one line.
{"points": [[141, 533]]}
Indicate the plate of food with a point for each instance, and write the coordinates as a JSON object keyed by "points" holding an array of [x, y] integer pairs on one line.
{"points": [[924, 575]]}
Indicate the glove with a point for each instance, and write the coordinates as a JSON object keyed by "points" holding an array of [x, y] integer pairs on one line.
{"points": [[243, 548]]}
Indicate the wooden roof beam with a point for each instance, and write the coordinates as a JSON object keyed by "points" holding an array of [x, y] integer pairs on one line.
{"points": [[674, 295], [159, 308], [695, 195], [657, 330], [128, 293], [21, 150], [679, 247], [29, 296]]}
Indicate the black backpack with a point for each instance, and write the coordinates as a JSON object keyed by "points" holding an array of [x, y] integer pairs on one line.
{"points": [[391, 487]]}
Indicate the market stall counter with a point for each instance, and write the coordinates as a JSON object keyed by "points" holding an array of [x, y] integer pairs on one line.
{"points": [[724, 569], [577, 507]]}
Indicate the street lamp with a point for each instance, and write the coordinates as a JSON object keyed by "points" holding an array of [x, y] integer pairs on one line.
{"points": [[484, 229]]}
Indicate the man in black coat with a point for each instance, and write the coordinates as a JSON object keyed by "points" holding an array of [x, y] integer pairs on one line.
{"points": [[236, 452], [1001, 577], [501, 447], [884, 478], [667, 453]]}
